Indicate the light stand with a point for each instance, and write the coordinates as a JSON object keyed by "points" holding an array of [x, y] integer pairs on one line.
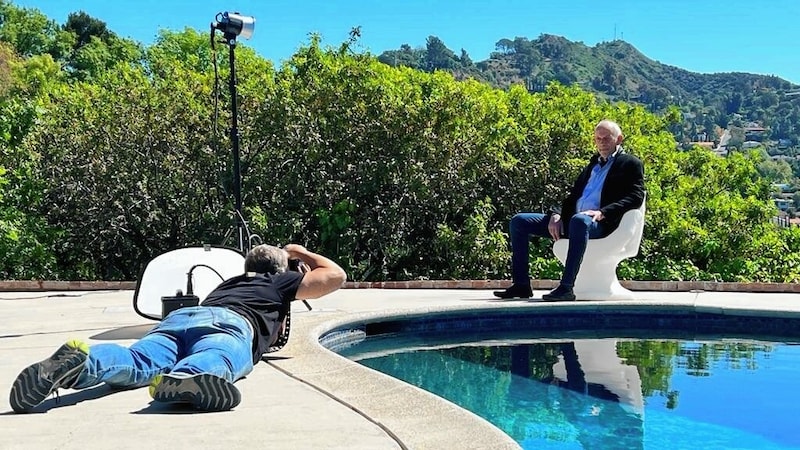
{"points": [[165, 272], [244, 241], [233, 25]]}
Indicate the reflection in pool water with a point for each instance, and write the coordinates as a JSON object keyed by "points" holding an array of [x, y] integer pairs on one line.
{"points": [[614, 394]]}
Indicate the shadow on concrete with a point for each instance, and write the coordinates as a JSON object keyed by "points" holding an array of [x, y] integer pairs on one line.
{"points": [[172, 408], [267, 358], [129, 332], [71, 399]]}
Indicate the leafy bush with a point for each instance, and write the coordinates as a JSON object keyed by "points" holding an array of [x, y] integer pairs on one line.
{"points": [[396, 173]]}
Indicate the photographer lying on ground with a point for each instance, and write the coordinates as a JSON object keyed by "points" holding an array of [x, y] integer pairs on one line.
{"points": [[195, 354]]}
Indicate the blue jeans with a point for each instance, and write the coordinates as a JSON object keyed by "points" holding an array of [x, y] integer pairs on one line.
{"points": [[525, 225], [190, 340]]}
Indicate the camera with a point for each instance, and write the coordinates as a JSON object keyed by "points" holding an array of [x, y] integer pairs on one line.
{"points": [[296, 265]]}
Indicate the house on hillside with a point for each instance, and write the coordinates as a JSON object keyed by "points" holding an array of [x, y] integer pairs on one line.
{"points": [[753, 132], [783, 197], [783, 204]]}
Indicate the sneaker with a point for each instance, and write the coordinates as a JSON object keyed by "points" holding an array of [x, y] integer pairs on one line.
{"points": [[39, 380], [515, 291], [204, 391], [559, 294]]}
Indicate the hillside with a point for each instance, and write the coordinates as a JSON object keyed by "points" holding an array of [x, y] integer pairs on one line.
{"points": [[616, 70]]}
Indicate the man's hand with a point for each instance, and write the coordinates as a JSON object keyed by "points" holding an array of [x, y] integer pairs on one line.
{"points": [[323, 276], [596, 216], [295, 251], [555, 226]]}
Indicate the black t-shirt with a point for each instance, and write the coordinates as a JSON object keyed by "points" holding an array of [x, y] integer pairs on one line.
{"points": [[264, 300]]}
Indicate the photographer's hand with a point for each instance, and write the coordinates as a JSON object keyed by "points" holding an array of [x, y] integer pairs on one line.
{"points": [[323, 276], [295, 251]]}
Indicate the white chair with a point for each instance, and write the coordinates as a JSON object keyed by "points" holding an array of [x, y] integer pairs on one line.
{"points": [[597, 277], [602, 366]]}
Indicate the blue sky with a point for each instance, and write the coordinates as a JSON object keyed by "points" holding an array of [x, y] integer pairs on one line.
{"points": [[701, 36]]}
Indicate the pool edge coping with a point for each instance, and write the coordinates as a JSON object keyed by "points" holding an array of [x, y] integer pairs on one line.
{"points": [[468, 429]]}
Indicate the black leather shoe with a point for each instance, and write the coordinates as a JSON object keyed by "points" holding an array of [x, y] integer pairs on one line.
{"points": [[559, 294], [515, 291]]}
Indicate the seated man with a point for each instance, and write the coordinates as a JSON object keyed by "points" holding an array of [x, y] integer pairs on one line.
{"points": [[195, 354], [611, 184]]}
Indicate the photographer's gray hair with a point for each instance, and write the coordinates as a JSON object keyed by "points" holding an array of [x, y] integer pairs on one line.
{"points": [[266, 259]]}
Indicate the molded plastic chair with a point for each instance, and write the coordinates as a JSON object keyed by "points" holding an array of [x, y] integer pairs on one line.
{"points": [[602, 367], [597, 277]]}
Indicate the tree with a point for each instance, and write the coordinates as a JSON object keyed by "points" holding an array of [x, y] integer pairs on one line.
{"points": [[505, 46], [130, 161], [406, 56], [737, 138], [85, 28], [25, 237], [612, 80], [551, 46], [562, 74], [28, 31], [438, 56], [733, 103], [7, 56], [776, 171], [466, 61], [114, 158], [523, 46]]}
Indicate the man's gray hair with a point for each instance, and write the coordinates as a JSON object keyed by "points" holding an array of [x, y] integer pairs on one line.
{"points": [[611, 126], [266, 259]]}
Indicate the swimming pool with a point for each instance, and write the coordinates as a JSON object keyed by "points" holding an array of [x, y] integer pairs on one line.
{"points": [[635, 392]]}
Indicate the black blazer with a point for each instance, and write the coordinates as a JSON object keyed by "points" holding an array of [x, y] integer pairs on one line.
{"points": [[623, 190]]}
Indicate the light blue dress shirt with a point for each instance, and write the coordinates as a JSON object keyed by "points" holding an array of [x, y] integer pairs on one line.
{"points": [[590, 199]]}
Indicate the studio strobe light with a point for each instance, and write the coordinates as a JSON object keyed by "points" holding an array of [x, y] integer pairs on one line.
{"points": [[235, 24]]}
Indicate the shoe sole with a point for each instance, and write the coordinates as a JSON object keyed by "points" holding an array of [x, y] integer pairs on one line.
{"points": [[31, 388], [205, 392], [504, 296]]}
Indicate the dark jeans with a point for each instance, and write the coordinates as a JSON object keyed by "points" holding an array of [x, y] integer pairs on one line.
{"points": [[525, 225]]}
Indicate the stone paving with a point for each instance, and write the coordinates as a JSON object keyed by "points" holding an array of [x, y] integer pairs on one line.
{"points": [[302, 397]]}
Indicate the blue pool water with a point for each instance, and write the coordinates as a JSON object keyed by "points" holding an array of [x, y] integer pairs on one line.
{"points": [[612, 393]]}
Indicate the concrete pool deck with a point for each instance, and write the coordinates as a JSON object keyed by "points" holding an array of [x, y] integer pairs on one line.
{"points": [[301, 397]]}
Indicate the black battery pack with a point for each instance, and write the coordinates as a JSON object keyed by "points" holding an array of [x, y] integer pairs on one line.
{"points": [[169, 304]]}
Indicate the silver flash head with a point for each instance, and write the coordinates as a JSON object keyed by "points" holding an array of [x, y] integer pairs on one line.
{"points": [[235, 24]]}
